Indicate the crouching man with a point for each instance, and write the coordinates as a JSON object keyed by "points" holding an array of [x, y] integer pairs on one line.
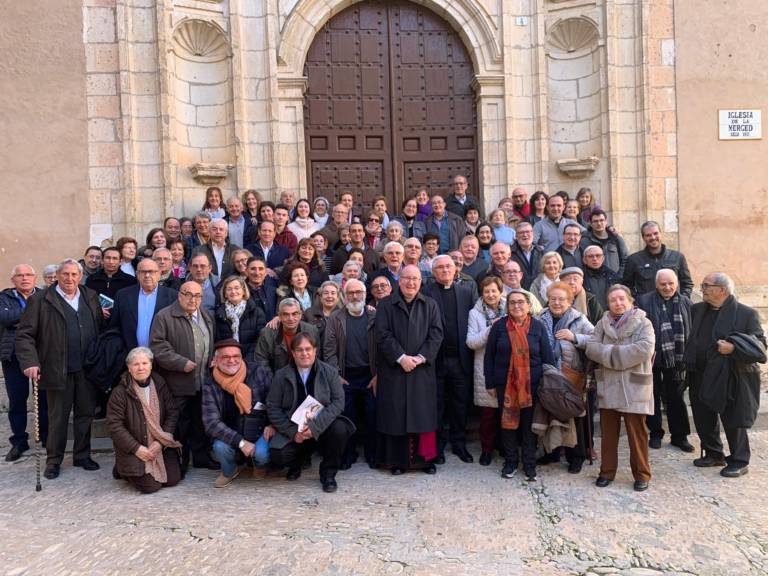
{"points": [[326, 429], [235, 412]]}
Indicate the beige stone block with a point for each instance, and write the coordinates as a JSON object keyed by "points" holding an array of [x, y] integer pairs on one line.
{"points": [[200, 137], [589, 107], [562, 110], [212, 115], [100, 206], [105, 154], [148, 176], [663, 167], [99, 25], [657, 122], [103, 177], [670, 192], [145, 106], [146, 129], [570, 69], [655, 197], [561, 151], [662, 21], [99, 3], [202, 95], [587, 149], [181, 90], [146, 153], [589, 85], [101, 58], [659, 144], [101, 85], [219, 155], [653, 54], [662, 76], [103, 106], [626, 25], [663, 98], [143, 26], [596, 127], [672, 144], [101, 130], [563, 89], [144, 57], [669, 121], [179, 132], [144, 83]]}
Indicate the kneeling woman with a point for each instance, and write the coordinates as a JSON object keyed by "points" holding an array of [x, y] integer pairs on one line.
{"points": [[141, 417], [622, 344], [517, 349]]}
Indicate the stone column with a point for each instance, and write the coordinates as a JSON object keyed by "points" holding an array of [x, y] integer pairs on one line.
{"points": [[492, 136]]}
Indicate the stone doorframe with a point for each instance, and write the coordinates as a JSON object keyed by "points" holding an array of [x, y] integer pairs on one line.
{"points": [[480, 37]]}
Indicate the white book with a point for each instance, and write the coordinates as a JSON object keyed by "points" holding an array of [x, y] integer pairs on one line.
{"points": [[306, 412]]}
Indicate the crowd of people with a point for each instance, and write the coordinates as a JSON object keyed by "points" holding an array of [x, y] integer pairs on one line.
{"points": [[256, 334]]}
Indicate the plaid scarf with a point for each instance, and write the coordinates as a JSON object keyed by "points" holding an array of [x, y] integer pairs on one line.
{"points": [[563, 322], [671, 334], [517, 392]]}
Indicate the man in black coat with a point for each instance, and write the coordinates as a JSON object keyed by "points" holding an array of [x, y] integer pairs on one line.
{"points": [[135, 307], [110, 279], [459, 201], [449, 227], [266, 248], [52, 339], [263, 288], [526, 253], [409, 332], [724, 377], [670, 313], [641, 267], [597, 276], [455, 360]]}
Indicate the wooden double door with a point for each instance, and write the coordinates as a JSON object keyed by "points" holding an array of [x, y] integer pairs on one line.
{"points": [[389, 107]]}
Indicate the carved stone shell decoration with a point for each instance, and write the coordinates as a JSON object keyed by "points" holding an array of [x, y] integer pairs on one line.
{"points": [[200, 41], [572, 36]]}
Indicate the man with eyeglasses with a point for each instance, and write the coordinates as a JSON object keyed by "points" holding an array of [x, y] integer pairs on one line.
{"points": [[474, 265], [597, 276], [520, 205], [381, 288], [511, 276], [165, 262], [612, 244], [526, 253], [199, 270], [356, 240], [182, 341], [350, 347], [393, 263], [449, 227], [458, 202], [726, 344], [135, 307], [641, 267], [455, 360], [570, 249], [409, 332]]}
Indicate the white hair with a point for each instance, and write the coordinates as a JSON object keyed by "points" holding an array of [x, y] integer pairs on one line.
{"points": [[661, 271], [350, 281], [722, 279], [15, 269], [69, 262], [288, 302], [438, 257], [351, 264], [139, 351], [50, 269], [393, 244]]}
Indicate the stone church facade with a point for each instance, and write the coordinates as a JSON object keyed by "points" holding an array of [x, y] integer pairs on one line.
{"points": [[122, 112]]}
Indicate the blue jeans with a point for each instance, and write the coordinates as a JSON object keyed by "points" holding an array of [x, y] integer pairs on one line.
{"points": [[225, 455]]}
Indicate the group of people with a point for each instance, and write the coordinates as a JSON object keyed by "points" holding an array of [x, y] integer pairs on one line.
{"points": [[256, 334]]}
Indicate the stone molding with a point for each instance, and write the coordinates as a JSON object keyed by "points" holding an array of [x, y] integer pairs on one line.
{"points": [[199, 41]]}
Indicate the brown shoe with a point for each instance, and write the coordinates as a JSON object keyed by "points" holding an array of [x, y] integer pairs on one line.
{"points": [[259, 473], [223, 481]]}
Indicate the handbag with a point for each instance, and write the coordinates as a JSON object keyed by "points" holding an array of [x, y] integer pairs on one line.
{"points": [[577, 379]]}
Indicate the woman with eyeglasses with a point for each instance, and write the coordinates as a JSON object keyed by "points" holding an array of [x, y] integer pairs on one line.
{"points": [[373, 230], [568, 331], [412, 226], [515, 354]]}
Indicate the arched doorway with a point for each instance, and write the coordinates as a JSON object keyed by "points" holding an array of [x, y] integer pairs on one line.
{"points": [[389, 106]]}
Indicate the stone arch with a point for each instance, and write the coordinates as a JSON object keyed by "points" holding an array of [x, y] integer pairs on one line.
{"points": [[468, 18]]}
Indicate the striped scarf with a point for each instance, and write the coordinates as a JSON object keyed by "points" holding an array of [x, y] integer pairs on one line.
{"points": [[671, 333]]}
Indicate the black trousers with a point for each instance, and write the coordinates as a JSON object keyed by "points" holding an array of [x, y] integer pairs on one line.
{"points": [[453, 389], [146, 484], [668, 391], [18, 388], [331, 446], [360, 408], [577, 454], [190, 431], [707, 423], [521, 440], [79, 396]]}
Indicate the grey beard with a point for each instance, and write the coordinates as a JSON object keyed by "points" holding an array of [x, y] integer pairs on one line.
{"points": [[355, 308]]}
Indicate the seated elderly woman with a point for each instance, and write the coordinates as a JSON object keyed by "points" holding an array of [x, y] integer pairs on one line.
{"points": [[141, 418]]}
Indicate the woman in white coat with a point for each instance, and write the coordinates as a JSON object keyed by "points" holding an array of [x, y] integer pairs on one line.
{"points": [[489, 307]]}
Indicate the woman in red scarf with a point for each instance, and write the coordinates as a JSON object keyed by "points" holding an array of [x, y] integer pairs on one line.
{"points": [[517, 349]]}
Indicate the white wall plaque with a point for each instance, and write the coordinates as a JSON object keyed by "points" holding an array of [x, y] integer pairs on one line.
{"points": [[740, 124]]}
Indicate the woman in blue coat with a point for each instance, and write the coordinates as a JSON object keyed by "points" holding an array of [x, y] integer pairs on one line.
{"points": [[517, 349]]}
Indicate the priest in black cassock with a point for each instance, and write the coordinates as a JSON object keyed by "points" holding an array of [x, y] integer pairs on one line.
{"points": [[408, 336]]}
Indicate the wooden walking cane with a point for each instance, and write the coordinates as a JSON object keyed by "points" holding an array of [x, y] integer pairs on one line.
{"points": [[35, 399]]}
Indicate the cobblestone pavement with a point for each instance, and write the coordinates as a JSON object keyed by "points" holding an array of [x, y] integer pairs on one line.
{"points": [[464, 520]]}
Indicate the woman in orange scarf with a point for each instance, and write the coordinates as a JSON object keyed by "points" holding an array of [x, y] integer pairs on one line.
{"points": [[517, 349]]}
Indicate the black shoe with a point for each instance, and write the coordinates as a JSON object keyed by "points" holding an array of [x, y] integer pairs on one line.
{"points": [[307, 463], [486, 458], [397, 471], [683, 444], [463, 455], [293, 474], [115, 473], [641, 485], [430, 469], [550, 458], [440, 459], [654, 443], [52, 471], [86, 464], [734, 470], [602, 482], [372, 464], [574, 467], [15, 453], [509, 470], [709, 461], [329, 485], [530, 474], [210, 464]]}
